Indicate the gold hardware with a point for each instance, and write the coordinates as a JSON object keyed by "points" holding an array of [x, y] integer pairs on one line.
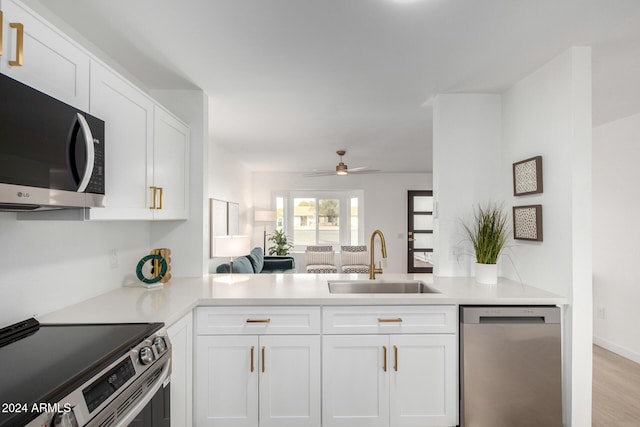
{"points": [[252, 349], [1, 31], [411, 233], [395, 351], [397, 320], [161, 197], [153, 196], [19, 44], [384, 367], [411, 239], [258, 320], [372, 268], [262, 358]]}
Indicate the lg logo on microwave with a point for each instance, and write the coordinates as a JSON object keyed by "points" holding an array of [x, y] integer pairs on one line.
{"points": [[21, 194]]}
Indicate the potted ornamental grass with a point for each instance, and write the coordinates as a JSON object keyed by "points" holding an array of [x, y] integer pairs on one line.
{"points": [[488, 232]]}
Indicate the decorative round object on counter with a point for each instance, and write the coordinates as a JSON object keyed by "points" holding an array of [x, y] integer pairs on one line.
{"points": [[160, 269], [166, 254]]}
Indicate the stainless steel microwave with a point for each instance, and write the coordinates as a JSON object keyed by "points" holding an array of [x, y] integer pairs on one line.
{"points": [[51, 154]]}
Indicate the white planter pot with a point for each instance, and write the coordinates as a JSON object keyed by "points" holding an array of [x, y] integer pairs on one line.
{"points": [[487, 273]]}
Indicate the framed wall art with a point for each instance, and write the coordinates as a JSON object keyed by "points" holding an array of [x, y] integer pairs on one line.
{"points": [[527, 222], [527, 176]]}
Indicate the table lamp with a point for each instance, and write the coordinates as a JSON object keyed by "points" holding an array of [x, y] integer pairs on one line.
{"points": [[231, 246]]}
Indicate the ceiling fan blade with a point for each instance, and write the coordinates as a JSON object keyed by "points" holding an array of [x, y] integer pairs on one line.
{"points": [[319, 173], [362, 171]]}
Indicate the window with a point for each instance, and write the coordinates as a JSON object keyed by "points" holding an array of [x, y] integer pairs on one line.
{"points": [[320, 217]]}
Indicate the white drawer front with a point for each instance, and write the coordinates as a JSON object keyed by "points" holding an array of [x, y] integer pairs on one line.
{"points": [[426, 319], [257, 320]]}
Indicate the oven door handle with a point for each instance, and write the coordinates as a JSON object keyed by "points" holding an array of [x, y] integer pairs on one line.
{"points": [[139, 406]]}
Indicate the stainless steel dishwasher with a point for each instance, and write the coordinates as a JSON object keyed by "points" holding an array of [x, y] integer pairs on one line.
{"points": [[510, 366]]}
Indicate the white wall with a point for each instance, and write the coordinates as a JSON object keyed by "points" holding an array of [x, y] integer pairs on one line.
{"points": [[229, 180], [385, 205], [47, 265], [466, 172], [616, 288], [547, 113]]}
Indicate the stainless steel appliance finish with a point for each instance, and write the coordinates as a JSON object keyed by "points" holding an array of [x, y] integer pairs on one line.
{"points": [[510, 366], [99, 375], [380, 287], [51, 154]]}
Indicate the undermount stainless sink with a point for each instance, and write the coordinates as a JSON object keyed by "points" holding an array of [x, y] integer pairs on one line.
{"points": [[380, 287]]}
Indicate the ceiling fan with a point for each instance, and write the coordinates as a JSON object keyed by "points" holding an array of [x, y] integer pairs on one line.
{"points": [[341, 169]]}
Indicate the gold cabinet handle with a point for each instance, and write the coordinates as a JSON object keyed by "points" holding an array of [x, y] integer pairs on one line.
{"points": [[153, 196], [1, 30], [396, 320], [262, 358], [19, 44], [395, 353], [252, 360], [161, 197], [384, 365], [258, 320]]}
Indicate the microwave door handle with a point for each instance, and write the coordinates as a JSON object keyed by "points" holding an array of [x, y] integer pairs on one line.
{"points": [[90, 158]]}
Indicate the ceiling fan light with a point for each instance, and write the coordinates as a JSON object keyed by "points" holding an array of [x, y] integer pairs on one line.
{"points": [[341, 169]]}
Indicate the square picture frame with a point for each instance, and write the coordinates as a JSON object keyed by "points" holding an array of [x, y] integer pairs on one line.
{"points": [[527, 223], [527, 176]]}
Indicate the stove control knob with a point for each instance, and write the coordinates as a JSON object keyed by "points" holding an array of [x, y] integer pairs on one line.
{"points": [[160, 344], [146, 355], [65, 419]]}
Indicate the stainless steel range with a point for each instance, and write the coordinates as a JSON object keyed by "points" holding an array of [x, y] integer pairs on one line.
{"points": [[80, 374]]}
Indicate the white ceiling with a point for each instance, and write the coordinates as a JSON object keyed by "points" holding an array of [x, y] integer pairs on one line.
{"points": [[292, 81]]}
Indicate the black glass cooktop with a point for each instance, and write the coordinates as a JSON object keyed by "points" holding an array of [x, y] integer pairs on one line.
{"points": [[45, 366]]}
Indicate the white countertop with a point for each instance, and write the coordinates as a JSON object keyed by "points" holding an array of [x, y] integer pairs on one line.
{"points": [[173, 300]]}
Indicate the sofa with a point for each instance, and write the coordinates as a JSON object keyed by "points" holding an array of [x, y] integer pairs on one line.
{"points": [[257, 263]]}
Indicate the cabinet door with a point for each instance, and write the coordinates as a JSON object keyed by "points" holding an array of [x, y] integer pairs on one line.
{"points": [[423, 380], [289, 381], [128, 116], [170, 165], [355, 380], [51, 63], [181, 337], [227, 369]]}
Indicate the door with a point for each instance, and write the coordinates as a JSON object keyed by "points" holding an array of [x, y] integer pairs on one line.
{"points": [[420, 232], [423, 386], [49, 61], [289, 381], [355, 381], [227, 381], [128, 116], [170, 170]]}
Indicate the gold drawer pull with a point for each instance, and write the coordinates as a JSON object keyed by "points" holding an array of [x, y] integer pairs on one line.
{"points": [[19, 44], [153, 196], [258, 320], [384, 366], [161, 197], [262, 358], [252, 349], [395, 351], [397, 320]]}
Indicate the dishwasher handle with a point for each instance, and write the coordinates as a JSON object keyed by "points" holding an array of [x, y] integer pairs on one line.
{"points": [[509, 315]]}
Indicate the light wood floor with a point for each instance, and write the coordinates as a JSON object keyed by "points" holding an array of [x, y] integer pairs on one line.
{"points": [[616, 390]]}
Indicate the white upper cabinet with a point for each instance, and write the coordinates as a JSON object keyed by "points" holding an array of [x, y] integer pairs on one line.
{"points": [[170, 166], [146, 152], [128, 117], [36, 54]]}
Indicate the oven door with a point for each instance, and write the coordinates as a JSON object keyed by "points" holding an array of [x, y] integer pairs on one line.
{"points": [[157, 413]]}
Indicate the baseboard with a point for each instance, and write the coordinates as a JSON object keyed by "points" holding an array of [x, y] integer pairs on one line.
{"points": [[617, 349]]}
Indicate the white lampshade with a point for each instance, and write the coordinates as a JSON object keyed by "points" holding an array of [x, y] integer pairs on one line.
{"points": [[231, 246], [265, 216]]}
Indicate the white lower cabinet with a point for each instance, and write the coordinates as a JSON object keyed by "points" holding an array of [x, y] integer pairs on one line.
{"points": [[256, 380], [181, 337], [398, 379]]}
